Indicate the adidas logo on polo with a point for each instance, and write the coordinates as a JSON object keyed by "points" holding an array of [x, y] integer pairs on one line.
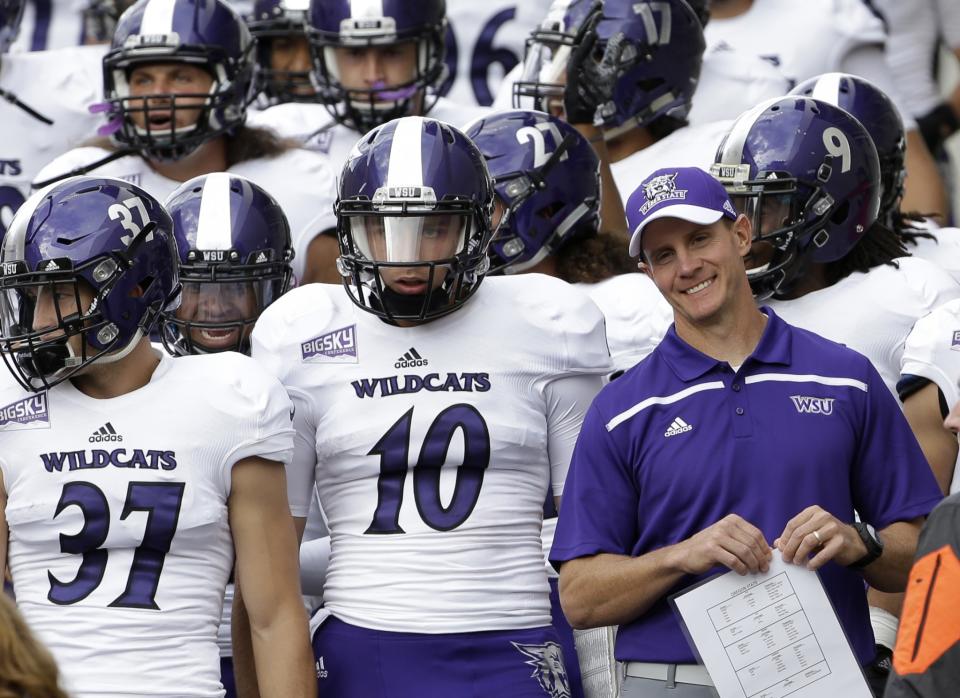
{"points": [[105, 433], [678, 426], [411, 359]]}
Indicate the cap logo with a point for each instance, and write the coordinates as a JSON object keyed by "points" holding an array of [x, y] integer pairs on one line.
{"points": [[728, 207], [660, 189]]}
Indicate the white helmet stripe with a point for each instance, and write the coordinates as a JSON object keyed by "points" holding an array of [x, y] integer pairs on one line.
{"points": [[827, 88], [360, 9], [406, 159], [157, 17], [732, 153], [214, 221]]}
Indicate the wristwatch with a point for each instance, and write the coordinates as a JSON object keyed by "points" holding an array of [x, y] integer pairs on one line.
{"points": [[871, 540]]}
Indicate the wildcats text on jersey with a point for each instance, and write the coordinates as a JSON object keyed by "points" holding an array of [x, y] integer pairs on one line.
{"points": [[28, 413], [432, 382], [118, 458]]}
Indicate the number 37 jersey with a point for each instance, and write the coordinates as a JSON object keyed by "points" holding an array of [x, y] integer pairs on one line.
{"points": [[430, 446], [120, 546]]}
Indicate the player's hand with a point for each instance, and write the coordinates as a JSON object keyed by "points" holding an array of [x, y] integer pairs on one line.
{"points": [[592, 76], [833, 540], [731, 542]]}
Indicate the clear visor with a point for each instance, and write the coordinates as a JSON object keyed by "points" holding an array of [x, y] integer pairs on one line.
{"points": [[546, 65], [409, 239], [222, 301], [40, 308]]}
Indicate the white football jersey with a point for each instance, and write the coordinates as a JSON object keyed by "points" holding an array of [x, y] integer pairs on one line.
{"points": [[873, 313], [430, 446], [731, 81], [636, 313], [691, 146], [302, 182], [943, 249], [58, 85], [489, 39], [53, 24], [120, 545], [911, 45], [801, 39], [933, 352]]}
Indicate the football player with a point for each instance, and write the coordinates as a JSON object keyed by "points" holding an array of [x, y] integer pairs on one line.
{"points": [[547, 188], [373, 62], [283, 52], [178, 79], [131, 479], [823, 36], [44, 110], [433, 407], [234, 251], [808, 175], [656, 52], [872, 108]]}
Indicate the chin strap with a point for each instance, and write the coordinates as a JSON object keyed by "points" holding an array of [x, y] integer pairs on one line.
{"points": [[15, 101], [117, 355]]}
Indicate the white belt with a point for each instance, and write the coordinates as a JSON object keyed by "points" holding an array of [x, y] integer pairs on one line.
{"points": [[671, 673]]}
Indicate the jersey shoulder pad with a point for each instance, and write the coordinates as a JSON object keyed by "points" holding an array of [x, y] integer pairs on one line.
{"points": [[558, 316]]}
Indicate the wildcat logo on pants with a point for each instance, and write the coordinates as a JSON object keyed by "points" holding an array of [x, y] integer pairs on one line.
{"points": [[548, 668]]}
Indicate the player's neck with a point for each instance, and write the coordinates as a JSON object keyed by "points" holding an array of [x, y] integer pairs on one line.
{"points": [[547, 265], [132, 372], [727, 9], [732, 336], [625, 145], [209, 157], [814, 278]]}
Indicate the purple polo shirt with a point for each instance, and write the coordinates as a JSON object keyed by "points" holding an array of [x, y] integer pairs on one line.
{"points": [[680, 441]]}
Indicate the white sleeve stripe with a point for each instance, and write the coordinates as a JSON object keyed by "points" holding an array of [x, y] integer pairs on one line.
{"points": [[664, 400], [805, 378]]}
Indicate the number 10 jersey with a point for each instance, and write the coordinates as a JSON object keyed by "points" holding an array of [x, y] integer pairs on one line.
{"points": [[120, 545], [430, 446]]}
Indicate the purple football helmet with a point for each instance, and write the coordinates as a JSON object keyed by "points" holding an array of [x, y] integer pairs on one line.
{"points": [[346, 29], [11, 12], [548, 178], [876, 111], [275, 21], [207, 34], [663, 53], [413, 220], [544, 72], [807, 174], [235, 253], [83, 238]]}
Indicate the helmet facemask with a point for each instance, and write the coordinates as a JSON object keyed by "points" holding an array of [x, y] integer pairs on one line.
{"points": [[364, 108], [410, 261], [222, 300], [40, 358]]}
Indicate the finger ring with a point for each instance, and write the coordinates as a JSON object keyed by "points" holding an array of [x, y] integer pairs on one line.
{"points": [[819, 539]]}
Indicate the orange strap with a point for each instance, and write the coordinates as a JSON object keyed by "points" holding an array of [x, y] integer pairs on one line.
{"points": [[930, 621]]}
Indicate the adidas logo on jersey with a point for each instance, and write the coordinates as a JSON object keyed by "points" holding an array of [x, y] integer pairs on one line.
{"points": [[678, 426], [410, 359], [105, 433]]}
